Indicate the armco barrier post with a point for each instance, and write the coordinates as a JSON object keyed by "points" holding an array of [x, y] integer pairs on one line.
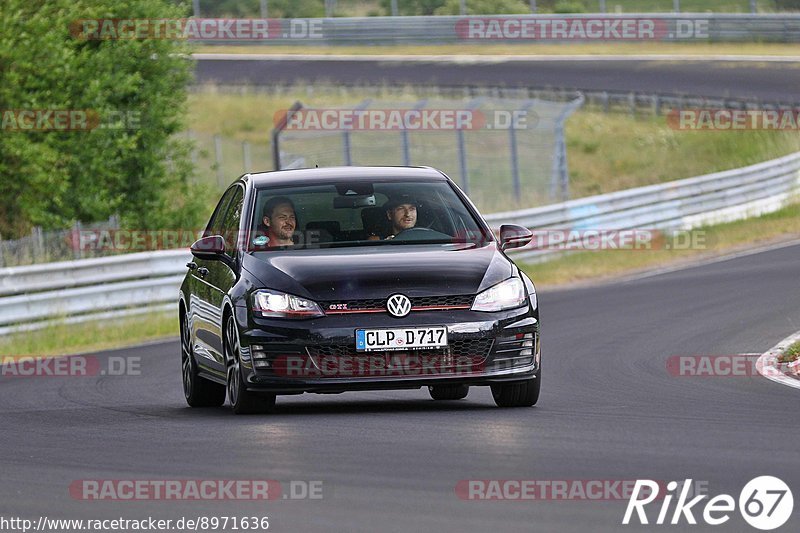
{"points": [[462, 150], [346, 145], [512, 143], [559, 180], [404, 136]]}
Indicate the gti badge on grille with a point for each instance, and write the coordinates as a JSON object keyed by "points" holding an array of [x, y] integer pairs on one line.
{"points": [[398, 305]]}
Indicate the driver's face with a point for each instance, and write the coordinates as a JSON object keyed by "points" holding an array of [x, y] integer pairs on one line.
{"points": [[283, 222], [403, 217]]}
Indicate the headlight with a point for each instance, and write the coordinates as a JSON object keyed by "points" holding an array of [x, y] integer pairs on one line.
{"points": [[282, 305], [507, 294]]}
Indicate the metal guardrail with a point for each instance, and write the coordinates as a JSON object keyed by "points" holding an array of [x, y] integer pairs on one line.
{"points": [[683, 204], [332, 10], [668, 27], [33, 296], [73, 274]]}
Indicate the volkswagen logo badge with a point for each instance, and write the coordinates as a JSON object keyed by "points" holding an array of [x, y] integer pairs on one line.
{"points": [[398, 305]]}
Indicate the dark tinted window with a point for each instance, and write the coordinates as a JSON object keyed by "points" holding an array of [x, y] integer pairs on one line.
{"points": [[230, 223], [215, 225], [361, 213]]}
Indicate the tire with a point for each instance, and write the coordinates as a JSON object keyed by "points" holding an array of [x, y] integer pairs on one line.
{"points": [[198, 391], [448, 392], [519, 393], [243, 402]]}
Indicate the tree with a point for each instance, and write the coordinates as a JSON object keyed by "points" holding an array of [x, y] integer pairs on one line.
{"points": [[136, 168]]}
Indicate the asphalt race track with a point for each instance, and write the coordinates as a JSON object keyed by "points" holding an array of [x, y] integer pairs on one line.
{"points": [[390, 461], [766, 81]]}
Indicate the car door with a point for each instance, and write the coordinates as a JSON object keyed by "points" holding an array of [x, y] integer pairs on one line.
{"points": [[205, 318], [221, 277]]}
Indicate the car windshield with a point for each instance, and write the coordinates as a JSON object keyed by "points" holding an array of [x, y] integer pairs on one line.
{"points": [[361, 213]]}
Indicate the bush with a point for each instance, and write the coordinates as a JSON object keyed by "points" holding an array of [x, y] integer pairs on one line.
{"points": [[787, 5], [485, 7], [791, 354], [140, 172], [413, 7], [252, 8], [567, 6]]}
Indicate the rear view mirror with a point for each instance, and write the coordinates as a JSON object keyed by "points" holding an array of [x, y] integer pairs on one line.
{"points": [[352, 202], [513, 236]]}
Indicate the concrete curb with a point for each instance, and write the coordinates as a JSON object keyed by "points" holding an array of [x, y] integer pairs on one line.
{"points": [[768, 366]]}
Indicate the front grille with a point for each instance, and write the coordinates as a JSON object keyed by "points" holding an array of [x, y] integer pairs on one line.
{"points": [[465, 347], [461, 356], [418, 303]]}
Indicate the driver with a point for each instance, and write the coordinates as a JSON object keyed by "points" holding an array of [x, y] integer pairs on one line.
{"points": [[279, 221], [401, 210]]}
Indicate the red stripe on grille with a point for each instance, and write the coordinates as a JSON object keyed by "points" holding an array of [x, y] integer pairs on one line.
{"points": [[421, 308]]}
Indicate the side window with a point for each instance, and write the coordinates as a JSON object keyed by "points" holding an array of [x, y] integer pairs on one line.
{"points": [[230, 223], [215, 224]]}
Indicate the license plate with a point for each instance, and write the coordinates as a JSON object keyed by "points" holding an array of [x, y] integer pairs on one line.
{"points": [[429, 337]]}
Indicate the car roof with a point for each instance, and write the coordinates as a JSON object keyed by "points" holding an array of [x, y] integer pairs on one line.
{"points": [[333, 174]]}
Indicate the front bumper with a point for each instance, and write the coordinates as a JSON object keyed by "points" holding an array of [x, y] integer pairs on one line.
{"points": [[318, 355]]}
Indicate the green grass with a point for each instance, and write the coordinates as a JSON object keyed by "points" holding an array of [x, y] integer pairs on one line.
{"points": [[791, 354], [606, 152], [718, 239], [64, 339], [687, 6], [609, 152]]}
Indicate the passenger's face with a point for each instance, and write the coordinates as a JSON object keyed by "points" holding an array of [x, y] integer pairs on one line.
{"points": [[282, 223], [403, 217]]}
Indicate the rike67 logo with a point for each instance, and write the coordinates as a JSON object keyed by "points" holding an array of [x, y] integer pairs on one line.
{"points": [[765, 503]]}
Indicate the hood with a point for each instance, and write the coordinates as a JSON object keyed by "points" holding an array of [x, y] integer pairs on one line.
{"points": [[379, 271]]}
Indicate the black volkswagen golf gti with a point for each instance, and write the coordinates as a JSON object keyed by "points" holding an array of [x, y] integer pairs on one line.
{"points": [[355, 278]]}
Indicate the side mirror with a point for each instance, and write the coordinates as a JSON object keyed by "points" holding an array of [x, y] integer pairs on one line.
{"points": [[513, 236], [210, 247]]}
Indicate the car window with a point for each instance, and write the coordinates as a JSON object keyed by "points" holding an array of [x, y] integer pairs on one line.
{"points": [[360, 213], [215, 224], [230, 222]]}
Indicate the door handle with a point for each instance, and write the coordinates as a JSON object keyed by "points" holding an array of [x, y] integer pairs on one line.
{"points": [[202, 272], [191, 266]]}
